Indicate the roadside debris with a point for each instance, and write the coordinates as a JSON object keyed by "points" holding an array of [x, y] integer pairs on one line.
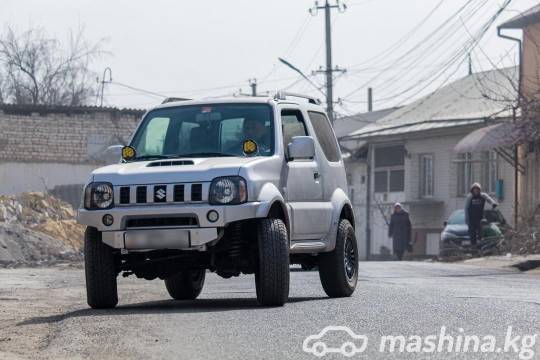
{"points": [[37, 228]]}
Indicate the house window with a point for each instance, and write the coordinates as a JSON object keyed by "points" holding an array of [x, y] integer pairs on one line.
{"points": [[490, 171], [389, 172], [477, 167], [426, 175]]}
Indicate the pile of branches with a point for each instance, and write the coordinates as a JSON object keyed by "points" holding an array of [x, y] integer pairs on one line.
{"points": [[526, 238]]}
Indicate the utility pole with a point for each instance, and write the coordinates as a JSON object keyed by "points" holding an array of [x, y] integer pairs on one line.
{"points": [[369, 99], [253, 85], [329, 71], [103, 82]]}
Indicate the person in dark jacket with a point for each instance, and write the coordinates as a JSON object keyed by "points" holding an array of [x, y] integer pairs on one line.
{"points": [[474, 211], [399, 230]]}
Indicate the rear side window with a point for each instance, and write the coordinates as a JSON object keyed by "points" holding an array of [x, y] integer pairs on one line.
{"points": [[325, 135]]}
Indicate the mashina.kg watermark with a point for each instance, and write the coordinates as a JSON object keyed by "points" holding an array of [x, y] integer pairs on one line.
{"points": [[342, 340]]}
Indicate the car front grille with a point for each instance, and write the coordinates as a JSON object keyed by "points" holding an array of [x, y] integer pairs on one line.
{"points": [[161, 194], [162, 222]]}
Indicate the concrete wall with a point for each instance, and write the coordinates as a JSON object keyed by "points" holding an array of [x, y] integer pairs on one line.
{"points": [[21, 177], [42, 147], [530, 155], [357, 180], [531, 61]]}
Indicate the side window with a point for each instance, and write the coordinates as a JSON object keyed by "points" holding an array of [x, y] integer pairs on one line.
{"points": [[293, 125], [154, 136], [325, 135]]}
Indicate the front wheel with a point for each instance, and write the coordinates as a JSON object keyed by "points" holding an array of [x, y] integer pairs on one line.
{"points": [[338, 269], [272, 273], [100, 271], [186, 285]]}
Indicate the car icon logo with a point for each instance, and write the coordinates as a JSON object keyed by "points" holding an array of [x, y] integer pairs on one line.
{"points": [[316, 345]]}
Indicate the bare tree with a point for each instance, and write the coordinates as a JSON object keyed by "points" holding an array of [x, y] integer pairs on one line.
{"points": [[37, 69]]}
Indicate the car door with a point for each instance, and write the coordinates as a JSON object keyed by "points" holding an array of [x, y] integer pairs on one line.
{"points": [[303, 190], [330, 163]]}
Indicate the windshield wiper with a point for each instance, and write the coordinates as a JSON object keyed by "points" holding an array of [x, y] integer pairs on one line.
{"points": [[204, 154]]}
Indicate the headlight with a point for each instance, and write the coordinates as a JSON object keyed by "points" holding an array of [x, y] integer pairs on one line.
{"points": [[228, 190], [98, 195]]}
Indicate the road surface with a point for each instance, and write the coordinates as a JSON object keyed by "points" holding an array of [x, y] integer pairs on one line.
{"points": [[43, 314]]}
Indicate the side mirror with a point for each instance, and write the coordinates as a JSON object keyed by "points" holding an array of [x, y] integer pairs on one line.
{"points": [[301, 147], [113, 154]]}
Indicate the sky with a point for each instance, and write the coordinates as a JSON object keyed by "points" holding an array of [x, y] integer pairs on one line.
{"points": [[209, 48]]}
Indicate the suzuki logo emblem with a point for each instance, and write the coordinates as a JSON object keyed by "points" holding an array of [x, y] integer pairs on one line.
{"points": [[161, 194]]}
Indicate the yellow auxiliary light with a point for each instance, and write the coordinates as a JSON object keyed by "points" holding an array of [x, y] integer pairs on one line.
{"points": [[128, 153], [249, 147]]}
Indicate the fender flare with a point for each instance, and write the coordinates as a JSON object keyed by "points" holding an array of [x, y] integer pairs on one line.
{"points": [[269, 195], [339, 201]]}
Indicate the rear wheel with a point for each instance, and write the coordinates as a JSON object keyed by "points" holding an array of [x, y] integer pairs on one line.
{"points": [[99, 267], [338, 270], [186, 285], [272, 273]]}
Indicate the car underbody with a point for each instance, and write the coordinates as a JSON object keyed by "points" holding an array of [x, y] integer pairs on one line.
{"points": [[234, 254]]}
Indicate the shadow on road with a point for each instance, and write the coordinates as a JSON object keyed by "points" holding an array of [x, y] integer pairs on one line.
{"points": [[164, 307]]}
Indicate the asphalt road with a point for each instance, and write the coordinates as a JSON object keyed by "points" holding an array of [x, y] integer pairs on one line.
{"points": [[43, 314]]}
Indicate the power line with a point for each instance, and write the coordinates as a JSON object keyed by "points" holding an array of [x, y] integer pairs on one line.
{"points": [[437, 41], [403, 39], [419, 45], [330, 70]]}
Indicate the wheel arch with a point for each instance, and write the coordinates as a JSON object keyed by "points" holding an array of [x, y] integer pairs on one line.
{"points": [[342, 209], [273, 205]]}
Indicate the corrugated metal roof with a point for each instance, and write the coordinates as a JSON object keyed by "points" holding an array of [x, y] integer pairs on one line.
{"points": [[64, 109], [489, 138], [468, 100], [347, 124], [530, 16]]}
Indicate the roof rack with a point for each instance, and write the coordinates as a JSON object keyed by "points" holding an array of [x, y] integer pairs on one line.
{"points": [[282, 95], [172, 99]]}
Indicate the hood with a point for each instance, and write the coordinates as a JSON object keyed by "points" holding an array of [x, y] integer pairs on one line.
{"points": [[459, 230], [146, 172]]}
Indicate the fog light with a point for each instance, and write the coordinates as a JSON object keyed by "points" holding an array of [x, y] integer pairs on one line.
{"points": [[212, 216], [107, 219]]}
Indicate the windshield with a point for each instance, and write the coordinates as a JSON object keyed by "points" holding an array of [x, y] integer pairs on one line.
{"points": [[457, 218], [205, 131]]}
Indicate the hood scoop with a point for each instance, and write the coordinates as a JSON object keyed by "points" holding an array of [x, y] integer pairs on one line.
{"points": [[170, 163]]}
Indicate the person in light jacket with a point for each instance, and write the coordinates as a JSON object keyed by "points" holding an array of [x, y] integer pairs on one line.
{"points": [[399, 230], [474, 211]]}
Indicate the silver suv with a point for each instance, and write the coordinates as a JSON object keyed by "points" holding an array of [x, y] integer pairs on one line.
{"points": [[242, 185]]}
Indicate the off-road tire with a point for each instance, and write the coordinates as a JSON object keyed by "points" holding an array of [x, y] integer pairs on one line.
{"points": [[100, 272], [272, 273], [186, 285], [332, 268]]}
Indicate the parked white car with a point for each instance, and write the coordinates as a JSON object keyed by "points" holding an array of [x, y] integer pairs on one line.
{"points": [[241, 185]]}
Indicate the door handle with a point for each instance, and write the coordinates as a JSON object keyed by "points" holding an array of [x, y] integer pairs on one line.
{"points": [[316, 175]]}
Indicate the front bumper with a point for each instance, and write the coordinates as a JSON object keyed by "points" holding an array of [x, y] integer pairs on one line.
{"points": [[118, 235], [122, 214]]}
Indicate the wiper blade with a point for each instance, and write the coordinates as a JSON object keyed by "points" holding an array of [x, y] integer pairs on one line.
{"points": [[204, 154]]}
